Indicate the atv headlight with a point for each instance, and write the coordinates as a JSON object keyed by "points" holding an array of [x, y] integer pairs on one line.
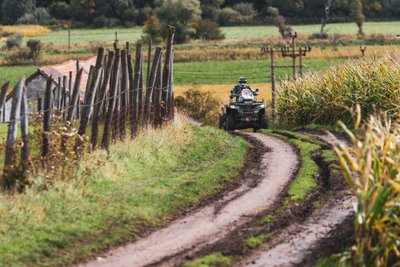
{"points": [[232, 106], [262, 106]]}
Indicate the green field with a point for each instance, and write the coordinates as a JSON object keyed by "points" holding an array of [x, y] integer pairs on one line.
{"points": [[223, 72], [82, 36], [13, 74]]}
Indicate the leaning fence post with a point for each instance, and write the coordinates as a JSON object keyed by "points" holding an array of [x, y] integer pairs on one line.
{"points": [[101, 100], [10, 157], [3, 94], [111, 103], [167, 71], [123, 96], [158, 95], [135, 90], [171, 104], [75, 95], [24, 129], [150, 86], [47, 118]]}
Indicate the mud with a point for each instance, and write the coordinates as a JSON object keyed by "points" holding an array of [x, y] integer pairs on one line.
{"points": [[203, 227], [324, 232]]}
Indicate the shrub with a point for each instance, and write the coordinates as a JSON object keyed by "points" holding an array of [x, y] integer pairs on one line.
{"points": [[245, 9], [280, 22], [14, 40], [152, 30], [38, 16], [209, 30], [20, 57], [200, 105], [35, 47]]}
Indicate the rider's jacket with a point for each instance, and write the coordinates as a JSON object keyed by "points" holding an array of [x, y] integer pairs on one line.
{"points": [[238, 87]]}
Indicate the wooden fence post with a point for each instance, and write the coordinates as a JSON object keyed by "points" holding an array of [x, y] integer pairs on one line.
{"points": [[24, 129], [75, 97], [150, 86], [157, 96], [135, 89], [171, 104], [124, 93], [149, 62], [47, 117], [101, 100], [111, 103], [167, 71], [10, 157], [3, 95]]}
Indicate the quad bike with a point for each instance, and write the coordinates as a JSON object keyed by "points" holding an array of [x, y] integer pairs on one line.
{"points": [[245, 113]]}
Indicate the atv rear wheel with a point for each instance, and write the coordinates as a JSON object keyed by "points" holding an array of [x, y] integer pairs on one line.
{"points": [[230, 123], [222, 121]]}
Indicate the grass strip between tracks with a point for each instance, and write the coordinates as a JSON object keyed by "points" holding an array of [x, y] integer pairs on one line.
{"points": [[264, 227], [140, 186]]}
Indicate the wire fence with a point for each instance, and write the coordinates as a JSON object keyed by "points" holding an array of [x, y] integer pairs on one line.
{"points": [[118, 101]]}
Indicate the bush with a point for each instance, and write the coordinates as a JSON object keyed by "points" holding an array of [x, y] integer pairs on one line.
{"points": [[245, 9], [200, 105], [209, 30], [20, 57], [35, 47], [59, 10], [152, 30], [14, 40], [227, 16]]}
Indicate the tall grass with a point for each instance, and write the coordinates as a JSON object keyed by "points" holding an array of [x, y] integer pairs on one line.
{"points": [[375, 158], [329, 96], [25, 30]]}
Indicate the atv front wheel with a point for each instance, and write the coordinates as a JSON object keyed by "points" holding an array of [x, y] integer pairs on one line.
{"points": [[230, 123], [263, 121], [222, 121]]}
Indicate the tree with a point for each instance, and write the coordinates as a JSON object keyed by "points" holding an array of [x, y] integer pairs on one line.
{"points": [[358, 16], [12, 10], [210, 9], [280, 22], [183, 14], [59, 10]]}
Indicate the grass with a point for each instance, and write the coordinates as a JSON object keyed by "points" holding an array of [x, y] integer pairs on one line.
{"points": [[267, 219], [13, 74], [249, 32], [226, 72], [138, 185], [81, 36], [255, 241], [305, 181], [25, 30], [212, 260]]}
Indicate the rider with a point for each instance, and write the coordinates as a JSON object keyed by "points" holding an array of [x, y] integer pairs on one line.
{"points": [[242, 84]]}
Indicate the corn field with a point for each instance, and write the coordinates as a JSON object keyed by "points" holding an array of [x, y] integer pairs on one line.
{"points": [[375, 159], [330, 96]]}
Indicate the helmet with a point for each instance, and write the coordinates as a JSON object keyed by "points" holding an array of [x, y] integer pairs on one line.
{"points": [[242, 80]]}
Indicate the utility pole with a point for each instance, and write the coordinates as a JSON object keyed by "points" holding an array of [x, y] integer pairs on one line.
{"points": [[69, 36], [292, 52]]}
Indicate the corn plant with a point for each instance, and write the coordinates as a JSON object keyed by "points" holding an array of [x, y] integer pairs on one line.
{"points": [[375, 159], [330, 96]]}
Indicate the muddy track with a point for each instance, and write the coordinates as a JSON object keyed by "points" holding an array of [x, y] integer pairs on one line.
{"points": [[322, 233], [206, 226]]}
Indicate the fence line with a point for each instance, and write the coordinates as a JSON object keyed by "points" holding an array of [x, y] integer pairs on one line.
{"points": [[115, 96]]}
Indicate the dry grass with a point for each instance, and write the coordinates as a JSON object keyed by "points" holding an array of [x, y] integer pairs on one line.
{"points": [[26, 30], [223, 90]]}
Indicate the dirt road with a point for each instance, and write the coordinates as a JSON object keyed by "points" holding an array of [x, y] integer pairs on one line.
{"points": [[211, 223]]}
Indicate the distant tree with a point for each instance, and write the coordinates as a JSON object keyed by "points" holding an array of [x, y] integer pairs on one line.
{"points": [[59, 10], [358, 16], [210, 9], [287, 7], [12, 10], [152, 30], [183, 14], [280, 22], [326, 18], [227, 16], [35, 47], [245, 9]]}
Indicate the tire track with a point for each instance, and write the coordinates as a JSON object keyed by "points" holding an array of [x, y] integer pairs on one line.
{"points": [[168, 246]]}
